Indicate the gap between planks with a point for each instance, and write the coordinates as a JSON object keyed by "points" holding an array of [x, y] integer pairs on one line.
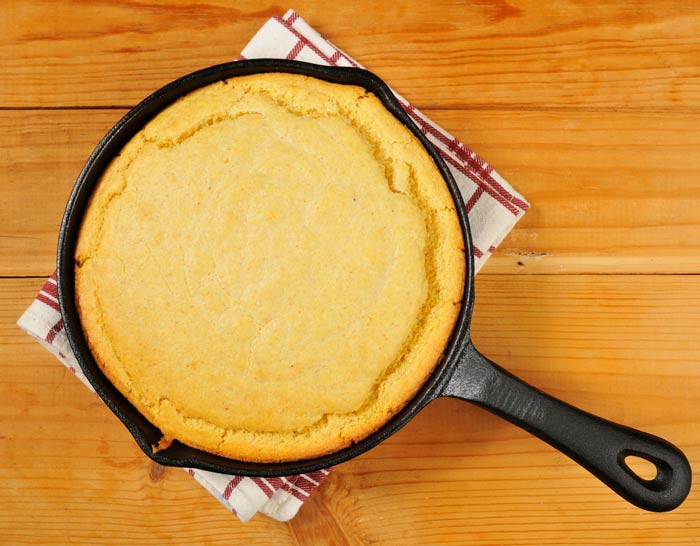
{"points": [[449, 108]]}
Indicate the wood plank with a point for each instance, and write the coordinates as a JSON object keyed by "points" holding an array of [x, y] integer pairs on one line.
{"points": [[522, 52], [610, 193], [41, 155], [622, 346]]}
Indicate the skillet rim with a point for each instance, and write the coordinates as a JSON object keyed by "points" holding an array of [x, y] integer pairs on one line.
{"points": [[143, 431]]}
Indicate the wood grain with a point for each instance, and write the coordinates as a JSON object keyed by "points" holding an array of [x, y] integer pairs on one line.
{"points": [[590, 109], [610, 193], [622, 346], [41, 155], [496, 53]]}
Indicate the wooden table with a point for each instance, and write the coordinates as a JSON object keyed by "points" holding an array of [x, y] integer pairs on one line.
{"points": [[591, 110]]}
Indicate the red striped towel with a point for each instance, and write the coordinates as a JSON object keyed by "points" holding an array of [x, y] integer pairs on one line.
{"points": [[493, 208]]}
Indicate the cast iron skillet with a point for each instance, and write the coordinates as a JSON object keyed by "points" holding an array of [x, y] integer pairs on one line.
{"points": [[599, 445]]}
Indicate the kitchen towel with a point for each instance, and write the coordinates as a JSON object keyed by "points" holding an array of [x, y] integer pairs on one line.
{"points": [[492, 205]]}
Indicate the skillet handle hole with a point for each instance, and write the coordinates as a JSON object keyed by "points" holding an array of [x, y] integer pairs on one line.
{"points": [[643, 468]]}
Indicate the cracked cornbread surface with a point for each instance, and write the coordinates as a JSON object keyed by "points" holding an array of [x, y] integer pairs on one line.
{"points": [[271, 268]]}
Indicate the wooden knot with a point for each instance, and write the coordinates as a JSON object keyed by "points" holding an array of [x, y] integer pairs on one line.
{"points": [[156, 472]]}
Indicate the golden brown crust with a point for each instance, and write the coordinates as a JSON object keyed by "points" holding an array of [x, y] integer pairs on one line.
{"points": [[271, 268]]}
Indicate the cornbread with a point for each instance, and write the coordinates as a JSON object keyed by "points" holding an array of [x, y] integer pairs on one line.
{"points": [[271, 268]]}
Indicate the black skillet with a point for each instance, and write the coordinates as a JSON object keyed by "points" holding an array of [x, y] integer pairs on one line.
{"points": [[598, 445]]}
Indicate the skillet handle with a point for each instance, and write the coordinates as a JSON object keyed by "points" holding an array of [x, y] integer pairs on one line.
{"points": [[598, 445]]}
